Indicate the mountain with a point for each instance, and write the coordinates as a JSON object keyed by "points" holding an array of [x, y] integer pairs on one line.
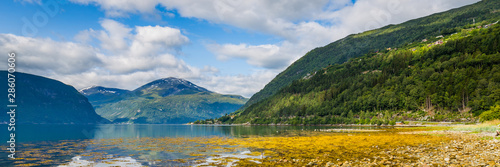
{"points": [[166, 101], [42, 100], [98, 95], [453, 77], [357, 45], [169, 87]]}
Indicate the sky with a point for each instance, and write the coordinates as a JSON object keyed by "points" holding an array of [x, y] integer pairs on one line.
{"points": [[226, 46]]}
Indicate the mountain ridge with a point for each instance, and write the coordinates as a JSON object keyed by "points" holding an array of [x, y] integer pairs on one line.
{"points": [[173, 86], [453, 77], [356, 45]]}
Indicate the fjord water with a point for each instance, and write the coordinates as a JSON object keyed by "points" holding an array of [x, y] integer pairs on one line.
{"points": [[39, 133], [42, 140]]}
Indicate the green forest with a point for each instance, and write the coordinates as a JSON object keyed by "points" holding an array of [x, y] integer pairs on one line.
{"points": [[457, 80], [400, 35]]}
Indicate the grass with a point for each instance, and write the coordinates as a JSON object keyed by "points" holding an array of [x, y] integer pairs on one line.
{"points": [[489, 126]]}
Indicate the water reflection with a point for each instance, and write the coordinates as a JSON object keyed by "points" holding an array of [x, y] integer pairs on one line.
{"points": [[49, 145], [34, 133], [221, 159], [127, 161]]}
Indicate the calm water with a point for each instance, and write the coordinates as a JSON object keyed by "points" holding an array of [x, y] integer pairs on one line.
{"points": [[58, 144]]}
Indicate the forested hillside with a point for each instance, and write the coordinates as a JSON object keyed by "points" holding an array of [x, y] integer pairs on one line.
{"points": [[452, 78], [357, 45]]}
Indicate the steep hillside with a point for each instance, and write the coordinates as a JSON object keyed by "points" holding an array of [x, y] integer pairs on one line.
{"points": [[390, 36], [450, 78], [42, 100], [166, 101]]}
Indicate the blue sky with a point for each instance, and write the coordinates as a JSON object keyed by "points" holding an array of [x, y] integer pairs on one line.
{"points": [[233, 47]]}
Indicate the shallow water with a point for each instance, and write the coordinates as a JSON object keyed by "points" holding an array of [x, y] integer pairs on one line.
{"points": [[133, 145]]}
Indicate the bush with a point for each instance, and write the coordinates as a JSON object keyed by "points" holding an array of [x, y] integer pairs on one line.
{"points": [[392, 123], [492, 114]]}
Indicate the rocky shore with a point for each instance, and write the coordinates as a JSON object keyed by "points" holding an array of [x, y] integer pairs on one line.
{"points": [[465, 149]]}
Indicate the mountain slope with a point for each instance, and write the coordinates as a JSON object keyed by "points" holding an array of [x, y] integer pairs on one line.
{"points": [[445, 79], [98, 95], [166, 101], [42, 100], [390, 36]]}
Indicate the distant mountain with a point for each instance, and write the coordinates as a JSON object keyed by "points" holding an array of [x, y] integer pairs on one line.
{"points": [[169, 87], [98, 94], [357, 45], [99, 90], [42, 100], [169, 101]]}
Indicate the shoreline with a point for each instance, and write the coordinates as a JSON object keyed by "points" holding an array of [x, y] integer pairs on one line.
{"points": [[409, 124], [326, 125]]}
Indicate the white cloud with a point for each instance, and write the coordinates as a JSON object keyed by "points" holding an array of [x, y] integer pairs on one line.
{"points": [[339, 20], [260, 55], [122, 7], [164, 36], [140, 55], [128, 81], [114, 37], [210, 69], [245, 85], [370, 14], [143, 48], [131, 56], [123, 54], [284, 17], [48, 56]]}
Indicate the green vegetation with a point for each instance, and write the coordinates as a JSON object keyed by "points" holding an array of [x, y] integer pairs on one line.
{"points": [[488, 126], [170, 109], [457, 80], [42, 100], [492, 114], [165, 101], [390, 36]]}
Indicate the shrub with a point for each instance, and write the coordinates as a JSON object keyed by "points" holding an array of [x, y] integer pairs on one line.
{"points": [[492, 114]]}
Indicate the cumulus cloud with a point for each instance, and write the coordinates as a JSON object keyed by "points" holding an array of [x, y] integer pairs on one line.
{"points": [[48, 56], [142, 48], [284, 17], [125, 53], [370, 14], [114, 36], [126, 57], [163, 36], [259, 55], [303, 25], [245, 85], [339, 20]]}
